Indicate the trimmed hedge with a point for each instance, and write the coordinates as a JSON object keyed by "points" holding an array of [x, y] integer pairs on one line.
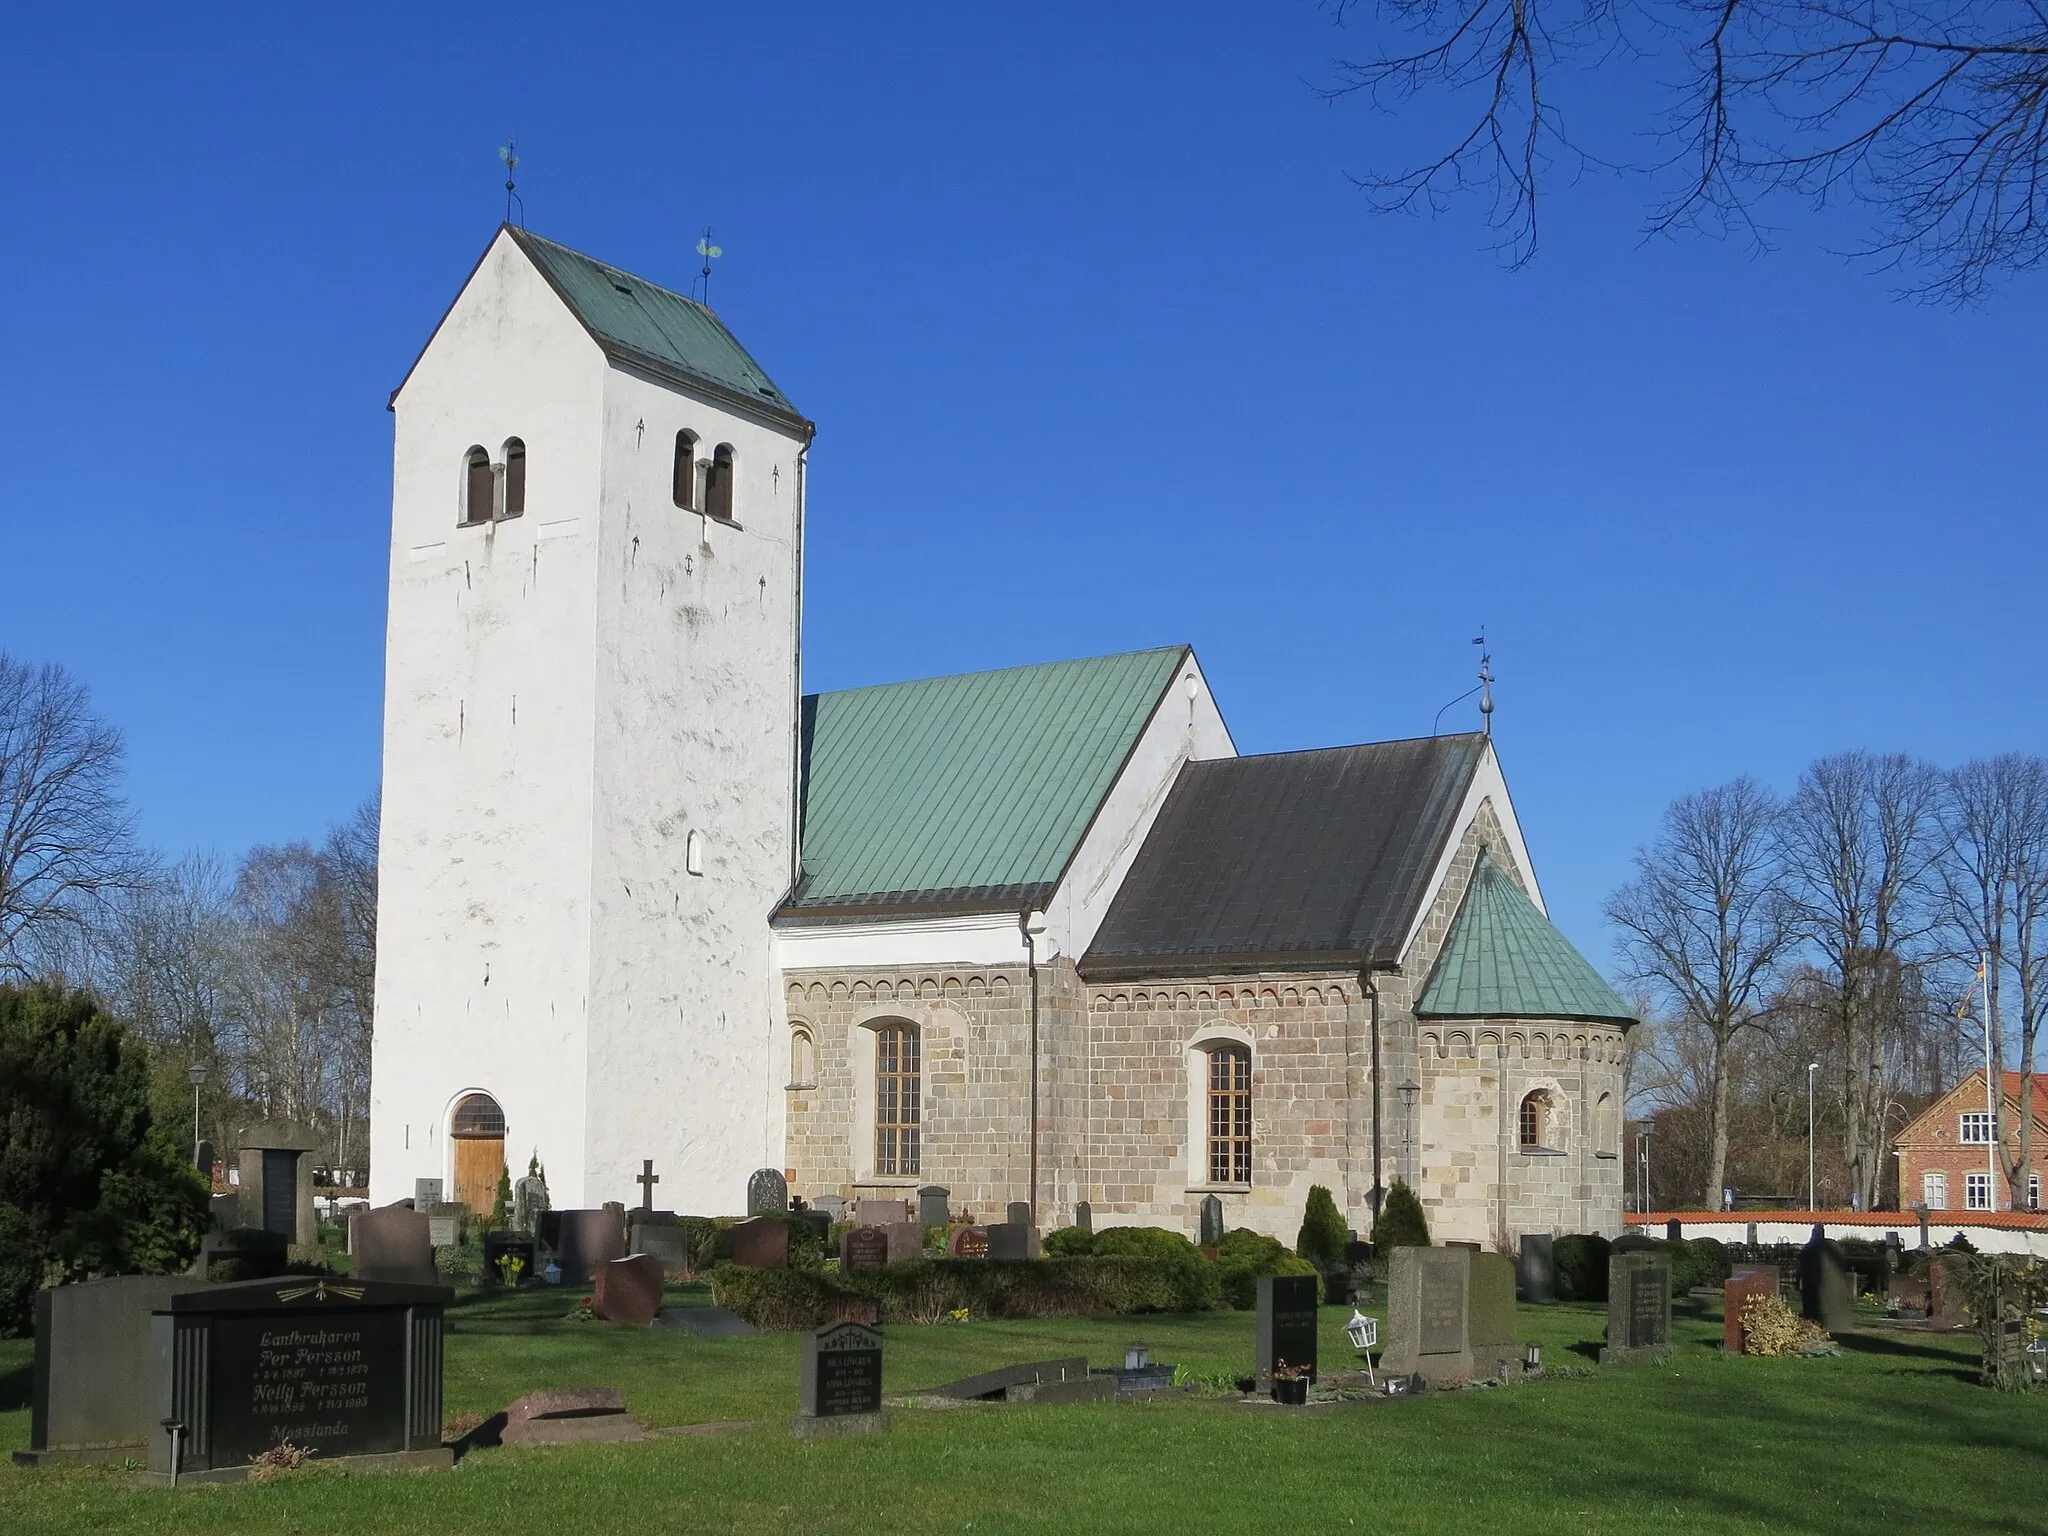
{"points": [[1581, 1266], [926, 1290], [1194, 1276], [1244, 1255], [1069, 1243]]}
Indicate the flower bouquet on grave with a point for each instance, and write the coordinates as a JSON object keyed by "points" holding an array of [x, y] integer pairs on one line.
{"points": [[510, 1267], [585, 1311], [1290, 1384]]}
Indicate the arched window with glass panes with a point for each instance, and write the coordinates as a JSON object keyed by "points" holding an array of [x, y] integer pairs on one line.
{"points": [[1230, 1114], [898, 1102]]}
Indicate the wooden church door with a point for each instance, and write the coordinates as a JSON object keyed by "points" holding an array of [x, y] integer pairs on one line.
{"points": [[478, 1132]]}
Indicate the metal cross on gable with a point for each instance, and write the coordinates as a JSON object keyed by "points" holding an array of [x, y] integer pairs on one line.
{"points": [[647, 1180]]}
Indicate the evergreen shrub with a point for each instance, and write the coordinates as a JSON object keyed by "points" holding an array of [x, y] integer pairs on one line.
{"points": [[1069, 1243], [1244, 1255], [1401, 1222], [1323, 1235], [1580, 1262], [1195, 1275], [928, 1290]]}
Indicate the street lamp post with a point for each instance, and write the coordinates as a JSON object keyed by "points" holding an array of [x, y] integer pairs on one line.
{"points": [[1811, 1068], [1410, 1091], [197, 1075]]}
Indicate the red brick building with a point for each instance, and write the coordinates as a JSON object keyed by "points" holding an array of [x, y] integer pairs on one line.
{"points": [[1944, 1161]]}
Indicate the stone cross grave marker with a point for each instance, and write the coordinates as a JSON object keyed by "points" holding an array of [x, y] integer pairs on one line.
{"points": [[1212, 1222], [393, 1244], [761, 1242], [864, 1248], [932, 1207], [767, 1190], [1287, 1325], [1638, 1308], [338, 1366], [840, 1389], [647, 1180], [1748, 1280], [1824, 1284], [1429, 1321], [1536, 1274], [968, 1243]]}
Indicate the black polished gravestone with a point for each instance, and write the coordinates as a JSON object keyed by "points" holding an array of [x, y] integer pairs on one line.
{"points": [[341, 1368], [1287, 1325], [840, 1390]]}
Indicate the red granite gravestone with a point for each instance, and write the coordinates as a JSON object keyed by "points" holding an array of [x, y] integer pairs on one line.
{"points": [[864, 1248], [762, 1243], [967, 1243], [869, 1212], [1747, 1281], [1945, 1291], [628, 1290], [392, 1243]]}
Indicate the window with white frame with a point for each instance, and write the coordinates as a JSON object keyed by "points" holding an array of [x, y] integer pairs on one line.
{"points": [[1976, 1128], [2033, 1191], [1977, 1191], [1934, 1191]]}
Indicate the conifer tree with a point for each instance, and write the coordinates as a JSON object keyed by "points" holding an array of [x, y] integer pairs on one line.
{"points": [[1401, 1223], [1323, 1233]]}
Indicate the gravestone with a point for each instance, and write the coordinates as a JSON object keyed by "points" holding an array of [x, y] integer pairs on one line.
{"points": [[1429, 1315], [833, 1207], [570, 1416], [664, 1238], [529, 1204], [1674, 1231], [1287, 1325], [277, 1181], [1638, 1308], [501, 1247], [586, 1239], [393, 1245], [1490, 1304], [1212, 1222], [1748, 1280], [932, 1209], [1009, 1240], [1536, 1274], [628, 1290], [1084, 1216], [761, 1243], [88, 1397], [342, 1368], [203, 1158], [840, 1389], [1026, 1383], [1019, 1214], [968, 1243], [906, 1241], [767, 1190], [445, 1222], [425, 1192], [864, 1248], [869, 1212], [1824, 1285]]}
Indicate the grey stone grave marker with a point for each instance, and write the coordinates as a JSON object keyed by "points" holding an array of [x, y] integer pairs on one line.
{"points": [[1010, 1240], [1084, 1216], [1490, 1304], [586, 1239], [1429, 1314], [339, 1367], [664, 1237], [840, 1389], [1824, 1284], [767, 1190], [88, 1387], [870, 1212], [1287, 1325], [1536, 1274], [932, 1207], [445, 1223], [529, 1204], [393, 1245], [1019, 1214], [1638, 1308], [906, 1241], [425, 1192], [1212, 1222]]}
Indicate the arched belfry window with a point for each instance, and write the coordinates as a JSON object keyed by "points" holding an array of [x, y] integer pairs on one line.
{"points": [[515, 477], [803, 1058], [899, 1101], [478, 491], [1230, 1114], [718, 483], [683, 479], [1535, 1127]]}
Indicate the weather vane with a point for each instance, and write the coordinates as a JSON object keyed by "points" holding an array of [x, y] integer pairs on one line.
{"points": [[710, 253], [509, 153], [1484, 688]]}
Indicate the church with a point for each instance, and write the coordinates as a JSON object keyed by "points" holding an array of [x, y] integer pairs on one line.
{"points": [[1040, 934]]}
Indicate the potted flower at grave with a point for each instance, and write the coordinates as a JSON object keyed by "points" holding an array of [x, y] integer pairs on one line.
{"points": [[1290, 1384]]}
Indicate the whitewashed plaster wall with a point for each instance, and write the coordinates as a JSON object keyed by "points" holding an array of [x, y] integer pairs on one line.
{"points": [[484, 885]]}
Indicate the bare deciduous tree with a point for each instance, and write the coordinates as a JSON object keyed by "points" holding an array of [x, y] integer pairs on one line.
{"points": [[66, 839], [1706, 923], [1933, 113]]}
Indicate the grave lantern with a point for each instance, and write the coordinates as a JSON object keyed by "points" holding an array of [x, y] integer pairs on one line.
{"points": [[1136, 1356], [1532, 1360], [1362, 1331]]}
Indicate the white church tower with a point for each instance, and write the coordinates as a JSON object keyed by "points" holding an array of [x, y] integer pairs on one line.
{"points": [[590, 743]]}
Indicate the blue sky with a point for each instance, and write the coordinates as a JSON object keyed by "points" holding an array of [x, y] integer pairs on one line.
{"points": [[1104, 350]]}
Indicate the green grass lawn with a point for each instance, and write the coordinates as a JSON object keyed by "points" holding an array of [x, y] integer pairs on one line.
{"points": [[1893, 1435]]}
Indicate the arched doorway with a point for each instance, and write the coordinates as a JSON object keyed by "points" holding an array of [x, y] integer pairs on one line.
{"points": [[477, 1132]]}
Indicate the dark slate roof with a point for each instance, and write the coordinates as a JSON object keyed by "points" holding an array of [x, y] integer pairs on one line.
{"points": [[1505, 960], [1319, 857], [963, 792]]}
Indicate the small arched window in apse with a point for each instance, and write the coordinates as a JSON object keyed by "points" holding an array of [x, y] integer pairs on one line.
{"points": [[515, 477], [477, 488], [718, 483], [683, 478], [1606, 1133], [803, 1061]]}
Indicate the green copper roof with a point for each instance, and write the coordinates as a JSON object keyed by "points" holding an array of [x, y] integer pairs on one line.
{"points": [[1504, 960], [645, 323], [966, 790]]}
